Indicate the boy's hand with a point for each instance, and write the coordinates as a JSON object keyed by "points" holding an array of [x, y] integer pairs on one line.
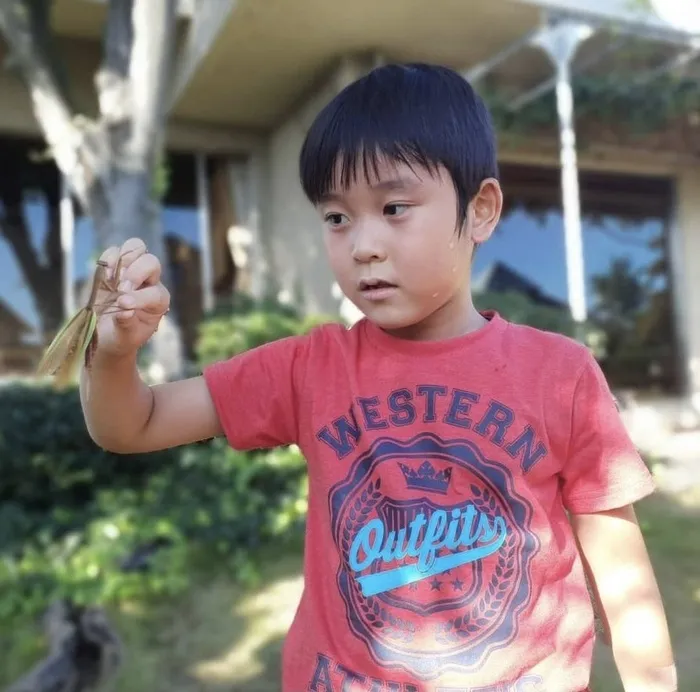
{"points": [[134, 317]]}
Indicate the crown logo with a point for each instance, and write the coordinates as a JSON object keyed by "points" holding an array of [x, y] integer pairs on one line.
{"points": [[427, 478]]}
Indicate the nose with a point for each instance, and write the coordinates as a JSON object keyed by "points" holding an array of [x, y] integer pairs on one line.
{"points": [[367, 244]]}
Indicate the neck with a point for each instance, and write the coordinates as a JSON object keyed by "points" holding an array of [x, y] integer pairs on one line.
{"points": [[457, 317]]}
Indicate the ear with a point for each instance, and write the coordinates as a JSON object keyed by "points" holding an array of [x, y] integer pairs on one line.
{"points": [[485, 210]]}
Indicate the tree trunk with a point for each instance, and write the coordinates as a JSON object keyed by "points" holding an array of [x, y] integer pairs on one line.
{"points": [[110, 162], [125, 210]]}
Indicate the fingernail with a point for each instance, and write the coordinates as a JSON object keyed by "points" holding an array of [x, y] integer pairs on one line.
{"points": [[127, 302], [125, 286]]}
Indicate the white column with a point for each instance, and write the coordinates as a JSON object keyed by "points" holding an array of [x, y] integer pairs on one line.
{"points": [[561, 42], [67, 227], [205, 258]]}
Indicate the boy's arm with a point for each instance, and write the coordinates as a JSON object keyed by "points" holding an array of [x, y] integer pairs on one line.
{"points": [[613, 549], [124, 415], [250, 398], [602, 477]]}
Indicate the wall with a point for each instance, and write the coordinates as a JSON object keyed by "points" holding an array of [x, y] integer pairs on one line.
{"points": [[292, 225], [687, 253]]}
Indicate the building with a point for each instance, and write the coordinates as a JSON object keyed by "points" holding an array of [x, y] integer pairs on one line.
{"points": [[236, 131]]}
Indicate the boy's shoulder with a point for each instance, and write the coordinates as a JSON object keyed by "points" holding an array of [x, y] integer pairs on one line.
{"points": [[553, 342], [518, 342]]}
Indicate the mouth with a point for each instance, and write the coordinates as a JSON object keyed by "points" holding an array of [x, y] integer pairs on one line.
{"points": [[376, 289], [366, 285]]}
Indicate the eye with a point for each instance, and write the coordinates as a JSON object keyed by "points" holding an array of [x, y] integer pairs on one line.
{"points": [[395, 209], [335, 219]]}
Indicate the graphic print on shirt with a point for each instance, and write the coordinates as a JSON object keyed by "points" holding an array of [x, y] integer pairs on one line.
{"points": [[435, 551]]}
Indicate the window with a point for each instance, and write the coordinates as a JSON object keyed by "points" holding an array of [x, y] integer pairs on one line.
{"points": [[521, 271]]}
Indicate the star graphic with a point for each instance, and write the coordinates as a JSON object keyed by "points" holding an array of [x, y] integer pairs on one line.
{"points": [[413, 586], [435, 584], [457, 584]]}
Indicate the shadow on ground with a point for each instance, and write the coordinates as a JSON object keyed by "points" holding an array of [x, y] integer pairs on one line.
{"points": [[220, 639]]}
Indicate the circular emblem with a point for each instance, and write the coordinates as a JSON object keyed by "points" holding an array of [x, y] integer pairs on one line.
{"points": [[435, 548]]}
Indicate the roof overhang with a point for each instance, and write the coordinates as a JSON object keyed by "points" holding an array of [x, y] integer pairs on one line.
{"points": [[266, 59], [612, 24]]}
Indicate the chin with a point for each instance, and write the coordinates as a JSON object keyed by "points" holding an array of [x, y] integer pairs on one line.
{"points": [[391, 320]]}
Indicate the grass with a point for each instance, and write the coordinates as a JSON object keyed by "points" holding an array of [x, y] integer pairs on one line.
{"points": [[220, 638], [670, 526]]}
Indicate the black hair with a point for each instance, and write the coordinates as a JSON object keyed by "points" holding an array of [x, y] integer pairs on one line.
{"points": [[413, 114]]}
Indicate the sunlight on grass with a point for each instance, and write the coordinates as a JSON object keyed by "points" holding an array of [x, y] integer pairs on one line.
{"points": [[689, 499], [268, 615]]}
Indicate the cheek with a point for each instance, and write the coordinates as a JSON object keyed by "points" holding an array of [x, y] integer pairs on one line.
{"points": [[338, 254], [440, 263]]}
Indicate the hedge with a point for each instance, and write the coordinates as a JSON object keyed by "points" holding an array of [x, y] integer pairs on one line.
{"points": [[81, 522]]}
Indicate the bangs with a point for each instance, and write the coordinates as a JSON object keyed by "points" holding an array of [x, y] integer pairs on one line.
{"points": [[359, 146], [417, 115]]}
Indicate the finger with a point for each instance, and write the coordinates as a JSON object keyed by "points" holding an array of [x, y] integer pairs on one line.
{"points": [[145, 270], [151, 299], [110, 256], [124, 318], [131, 250]]}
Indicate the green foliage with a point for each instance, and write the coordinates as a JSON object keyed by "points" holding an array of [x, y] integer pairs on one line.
{"points": [[161, 178], [611, 100], [212, 505], [72, 513], [246, 323], [48, 459]]}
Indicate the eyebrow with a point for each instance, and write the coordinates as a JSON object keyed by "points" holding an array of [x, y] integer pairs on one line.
{"points": [[382, 186]]}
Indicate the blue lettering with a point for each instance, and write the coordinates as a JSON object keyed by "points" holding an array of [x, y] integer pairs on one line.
{"points": [[385, 686], [473, 528], [349, 678], [370, 546], [498, 416], [430, 392], [461, 403], [525, 443], [404, 411], [429, 403], [373, 419], [321, 681], [344, 430]]}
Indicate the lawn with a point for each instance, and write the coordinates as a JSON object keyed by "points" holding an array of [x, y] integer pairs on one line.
{"points": [[219, 638]]}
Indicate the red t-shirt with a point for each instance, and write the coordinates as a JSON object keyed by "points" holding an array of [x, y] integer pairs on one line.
{"points": [[438, 557]]}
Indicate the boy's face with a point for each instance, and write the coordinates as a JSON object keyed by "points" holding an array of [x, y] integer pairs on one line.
{"points": [[393, 246]]}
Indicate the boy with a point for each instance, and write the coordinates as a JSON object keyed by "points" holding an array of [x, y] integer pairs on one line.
{"points": [[445, 446]]}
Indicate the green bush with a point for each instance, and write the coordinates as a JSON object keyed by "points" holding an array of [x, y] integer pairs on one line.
{"points": [[49, 461], [212, 507], [71, 513], [245, 324]]}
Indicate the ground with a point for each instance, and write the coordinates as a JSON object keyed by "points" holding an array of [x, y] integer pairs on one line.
{"points": [[220, 638]]}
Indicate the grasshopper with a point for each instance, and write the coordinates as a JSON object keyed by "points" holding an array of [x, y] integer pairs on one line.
{"points": [[77, 339]]}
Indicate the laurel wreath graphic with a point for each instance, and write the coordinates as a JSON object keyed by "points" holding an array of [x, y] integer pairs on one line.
{"points": [[372, 608], [467, 625], [489, 605]]}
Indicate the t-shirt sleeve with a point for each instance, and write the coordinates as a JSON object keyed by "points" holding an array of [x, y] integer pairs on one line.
{"points": [[255, 393], [603, 469]]}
